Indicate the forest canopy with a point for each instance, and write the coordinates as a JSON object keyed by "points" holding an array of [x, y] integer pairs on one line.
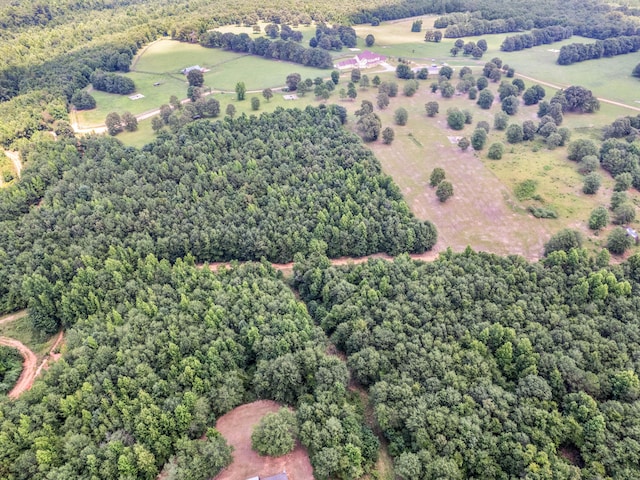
{"points": [[487, 367], [243, 189]]}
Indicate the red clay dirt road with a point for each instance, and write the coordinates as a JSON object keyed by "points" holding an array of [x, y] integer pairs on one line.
{"points": [[287, 268], [236, 427], [30, 367]]}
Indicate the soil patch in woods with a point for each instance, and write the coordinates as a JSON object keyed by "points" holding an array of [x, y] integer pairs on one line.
{"points": [[237, 426]]}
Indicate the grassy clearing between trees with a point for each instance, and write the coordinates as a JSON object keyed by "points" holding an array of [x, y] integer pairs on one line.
{"points": [[606, 77], [21, 329], [484, 211], [161, 62]]}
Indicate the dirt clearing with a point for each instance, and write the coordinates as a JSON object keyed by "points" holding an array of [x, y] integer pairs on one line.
{"points": [[237, 426]]}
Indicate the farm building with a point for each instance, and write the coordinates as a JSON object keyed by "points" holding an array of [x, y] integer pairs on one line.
{"points": [[279, 476], [364, 59], [188, 69]]}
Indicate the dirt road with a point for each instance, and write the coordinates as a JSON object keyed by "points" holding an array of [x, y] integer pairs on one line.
{"points": [[287, 268], [15, 158], [29, 366], [13, 316]]}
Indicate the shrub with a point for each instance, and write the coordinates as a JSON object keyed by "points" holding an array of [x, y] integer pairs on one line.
{"points": [[401, 116], [478, 139], [500, 121], [618, 241], [599, 218], [444, 191], [496, 150], [464, 143], [275, 435], [455, 118], [591, 183], [514, 133], [588, 164], [624, 214], [437, 175], [563, 240]]}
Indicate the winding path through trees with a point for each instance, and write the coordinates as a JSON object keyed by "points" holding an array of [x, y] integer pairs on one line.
{"points": [[30, 367]]}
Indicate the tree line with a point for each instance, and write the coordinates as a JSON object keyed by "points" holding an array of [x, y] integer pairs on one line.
{"points": [[580, 52], [288, 50], [538, 36]]}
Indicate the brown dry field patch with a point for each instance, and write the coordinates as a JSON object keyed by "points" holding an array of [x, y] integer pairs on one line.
{"points": [[236, 427], [483, 213]]}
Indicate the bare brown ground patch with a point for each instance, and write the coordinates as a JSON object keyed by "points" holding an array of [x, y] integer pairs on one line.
{"points": [[483, 213], [237, 426]]}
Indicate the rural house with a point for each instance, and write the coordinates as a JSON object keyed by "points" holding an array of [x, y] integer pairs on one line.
{"points": [[188, 69], [364, 59]]}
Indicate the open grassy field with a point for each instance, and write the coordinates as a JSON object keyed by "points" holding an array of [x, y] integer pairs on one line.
{"points": [[156, 73], [607, 77], [484, 212]]}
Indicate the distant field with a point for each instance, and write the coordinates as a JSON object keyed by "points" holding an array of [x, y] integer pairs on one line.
{"points": [[160, 63], [484, 212], [607, 77]]}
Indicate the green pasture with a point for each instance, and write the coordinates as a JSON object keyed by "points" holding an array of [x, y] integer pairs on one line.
{"points": [[170, 56], [257, 73], [157, 76]]}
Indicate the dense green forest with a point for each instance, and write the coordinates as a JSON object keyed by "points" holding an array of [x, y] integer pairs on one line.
{"points": [[10, 368], [158, 352], [240, 189], [488, 367]]}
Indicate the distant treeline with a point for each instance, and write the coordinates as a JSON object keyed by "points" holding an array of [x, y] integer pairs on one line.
{"points": [[277, 49], [586, 18], [538, 36], [579, 52]]}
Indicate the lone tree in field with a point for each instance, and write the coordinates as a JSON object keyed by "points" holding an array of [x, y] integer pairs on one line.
{"points": [[275, 435], [432, 108], [455, 119], [437, 175], [255, 103], [241, 90], [267, 93], [496, 150], [591, 183], [388, 135], [130, 122], [599, 218], [479, 138], [231, 110], [369, 40], [618, 241], [485, 99], [401, 115], [195, 78], [113, 123], [444, 191]]}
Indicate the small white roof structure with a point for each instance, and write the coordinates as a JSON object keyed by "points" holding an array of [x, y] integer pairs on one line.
{"points": [[254, 478], [188, 69]]}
